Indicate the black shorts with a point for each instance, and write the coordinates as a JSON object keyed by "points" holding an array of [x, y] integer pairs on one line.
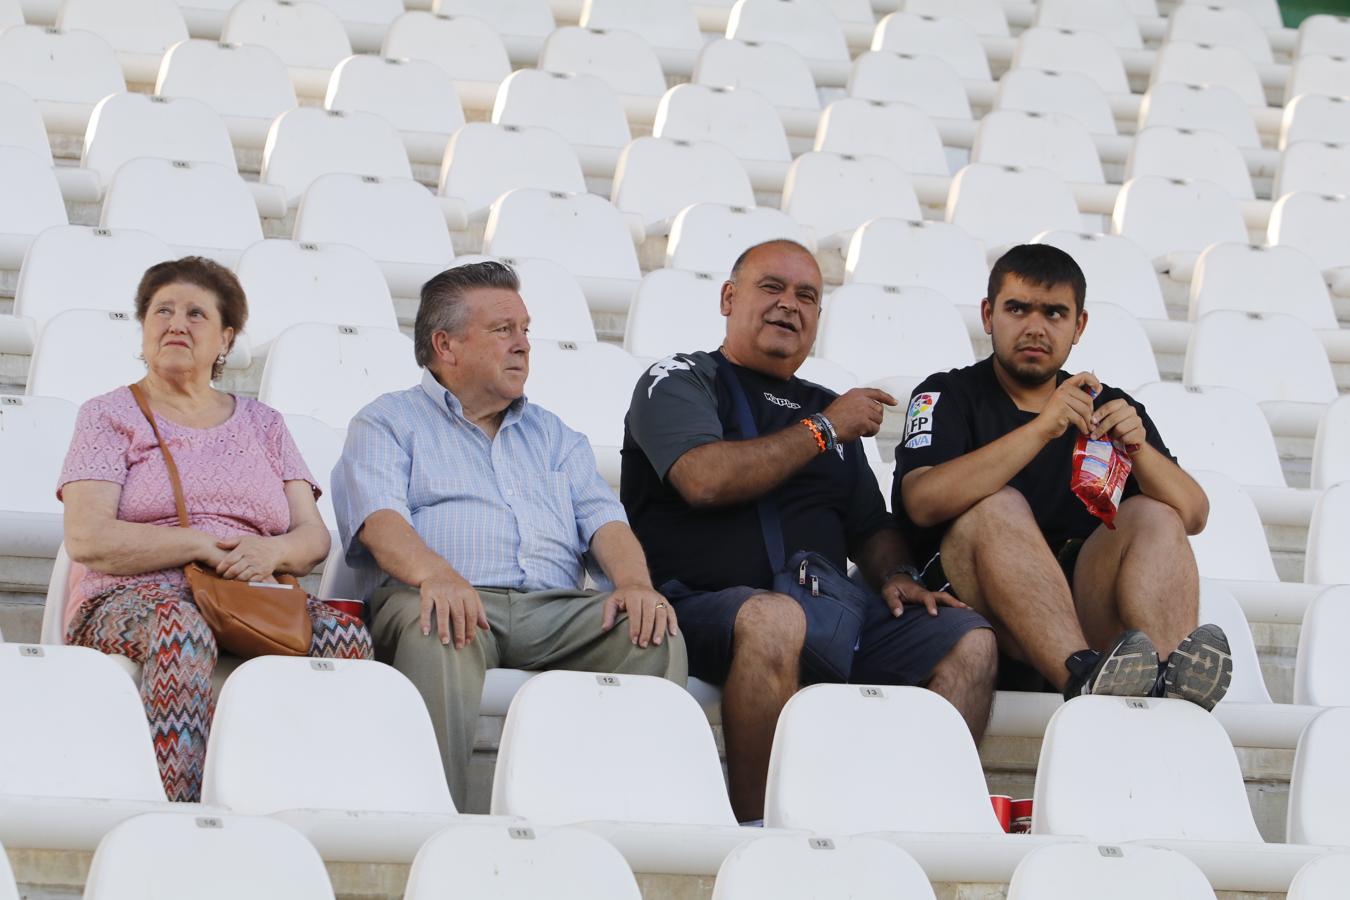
{"points": [[891, 650]]}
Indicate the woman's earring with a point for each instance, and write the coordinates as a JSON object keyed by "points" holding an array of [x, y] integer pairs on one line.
{"points": [[220, 360]]}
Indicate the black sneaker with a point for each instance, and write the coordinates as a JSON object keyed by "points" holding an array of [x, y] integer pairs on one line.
{"points": [[1128, 669], [1201, 669]]}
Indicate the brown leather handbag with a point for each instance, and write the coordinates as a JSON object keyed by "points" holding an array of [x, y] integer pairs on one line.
{"points": [[249, 618]]}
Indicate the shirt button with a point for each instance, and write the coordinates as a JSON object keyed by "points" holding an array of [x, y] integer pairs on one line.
{"points": [[510, 492]]}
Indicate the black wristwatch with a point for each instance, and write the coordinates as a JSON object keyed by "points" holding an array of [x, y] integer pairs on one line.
{"points": [[903, 569]]}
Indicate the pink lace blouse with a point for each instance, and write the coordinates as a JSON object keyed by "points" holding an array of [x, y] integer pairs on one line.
{"points": [[233, 474]]}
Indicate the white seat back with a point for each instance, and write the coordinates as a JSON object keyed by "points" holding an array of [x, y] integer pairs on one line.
{"points": [[675, 311], [582, 108], [1068, 871], [233, 856], [305, 34], [950, 38], [515, 863], [519, 18], [1116, 269], [1266, 13], [467, 48], [1331, 449], [1321, 670], [1071, 94], [1191, 63], [35, 434], [307, 142], [927, 82], [987, 17], [127, 126], [56, 68], [808, 789], [833, 194], [391, 220], [1201, 23], [1168, 215], [1058, 143], [320, 445], [1326, 561], [100, 748], [707, 237], [236, 80], [558, 310], [1313, 222], [274, 711], [588, 386], [1270, 356], [918, 253], [1114, 346], [878, 331], [1219, 607], [21, 122], [801, 868], [1314, 166], [1216, 427], [1315, 117], [1233, 544], [73, 266], [1318, 73], [201, 207], [622, 728], [484, 161], [143, 27], [739, 119], [8, 889], [1086, 52], [1003, 205], [32, 195], [899, 132], [416, 96], [582, 232], [1207, 107], [1323, 34], [776, 72], [807, 26], [621, 59], [667, 24], [112, 338], [1189, 154], [1321, 879], [1261, 279], [656, 178], [1112, 19], [1118, 791], [1318, 790]]}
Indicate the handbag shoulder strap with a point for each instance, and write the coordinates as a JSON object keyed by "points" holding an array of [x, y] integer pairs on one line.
{"points": [[770, 522], [168, 457]]}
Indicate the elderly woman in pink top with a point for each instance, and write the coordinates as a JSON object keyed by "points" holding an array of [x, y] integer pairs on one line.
{"points": [[250, 501]]}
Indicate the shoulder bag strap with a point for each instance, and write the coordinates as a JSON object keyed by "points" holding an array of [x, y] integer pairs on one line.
{"points": [[770, 523], [168, 458]]}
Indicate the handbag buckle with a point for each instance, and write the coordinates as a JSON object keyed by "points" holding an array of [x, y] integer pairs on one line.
{"points": [[801, 573]]}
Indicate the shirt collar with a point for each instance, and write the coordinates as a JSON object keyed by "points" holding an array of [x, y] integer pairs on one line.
{"points": [[446, 399]]}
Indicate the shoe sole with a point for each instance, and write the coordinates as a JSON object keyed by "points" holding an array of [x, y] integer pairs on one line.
{"points": [[1130, 669], [1201, 669]]}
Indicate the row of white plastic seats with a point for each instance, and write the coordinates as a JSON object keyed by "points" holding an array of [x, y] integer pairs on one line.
{"points": [[255, 768]]}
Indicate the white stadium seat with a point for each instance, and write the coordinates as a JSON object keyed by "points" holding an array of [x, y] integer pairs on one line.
{"points": [[1049, 140], [416, 96], [139, 31], [330, 371], [1112, 19], [226, 855], [880, 331], [1315, 117], [21, 123], [1201, 23], [469, 49], [1331, 450], [1191, 63], [664, 24], [509, 18], [1217, 428], [832, 194], [1116, 269], [1313, 222], [1318, 789], [926, 82], [582, 232], [1266, 13], [919, 253], [832, 375], [1318, 74], [124, 127], [11, 13], [1005, 205], [775, 71], [32, 201], [658, 177], [34, 436], [707, 237], [516, 863], [740, 120], [1220, 607], [1322, 670], [320, 446], [1326, 561], [675, 311], [900, 132], [589, 386], [951, 39], [59, 789], [1114, 346], [309, 37], [305, 143], [1070, 871], [621, 59], [1167, 216], [805, 868], [246, 84], [582, 108], [8, 889], [66, 72], [485, 161], [1313, 166], [1212, 107], [1261, 279], [1064, 50], [288, 282], [1189, 154], [1071, 94], [1323, 34], [395, 221], [113, 338], [1321, 879], [806, 26], [200, 208], [987, 17], [1233, 545], [558, 310]]}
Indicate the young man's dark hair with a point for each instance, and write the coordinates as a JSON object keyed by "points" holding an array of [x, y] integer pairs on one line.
{"points": [[1043, 265]]}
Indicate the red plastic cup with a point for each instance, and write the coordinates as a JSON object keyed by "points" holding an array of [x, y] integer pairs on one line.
{"points": [[354, 608], [1021, 817], [1002, 809]]}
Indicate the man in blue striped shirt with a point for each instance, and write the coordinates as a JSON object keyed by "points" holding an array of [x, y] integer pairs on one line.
{"points": [[467, 509]]}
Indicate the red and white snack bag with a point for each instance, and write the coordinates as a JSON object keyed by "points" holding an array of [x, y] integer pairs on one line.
{"points": [[1100, 469]]}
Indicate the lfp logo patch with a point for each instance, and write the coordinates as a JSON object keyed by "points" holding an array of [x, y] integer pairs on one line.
{"points": [[919, 420]]}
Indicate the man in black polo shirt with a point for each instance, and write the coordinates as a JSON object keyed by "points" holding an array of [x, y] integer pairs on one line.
{"points": [[691, 482], [983, 476]]}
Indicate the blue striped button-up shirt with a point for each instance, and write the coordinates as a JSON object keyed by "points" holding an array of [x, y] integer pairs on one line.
{"points": [[515, 512]]}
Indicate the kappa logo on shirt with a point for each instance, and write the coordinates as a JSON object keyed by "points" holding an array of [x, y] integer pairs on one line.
{"points": [[919, 420], [662, 369], [779, 401]]}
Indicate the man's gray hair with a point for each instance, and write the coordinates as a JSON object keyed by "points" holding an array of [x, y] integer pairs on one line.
{"points": [[442, 307]]}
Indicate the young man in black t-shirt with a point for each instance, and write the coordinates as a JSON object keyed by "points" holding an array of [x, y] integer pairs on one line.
{"points": [[983, 476], [691, 482]]}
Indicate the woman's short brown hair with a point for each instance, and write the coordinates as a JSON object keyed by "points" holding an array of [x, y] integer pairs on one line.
{"points": [[205, 274]]}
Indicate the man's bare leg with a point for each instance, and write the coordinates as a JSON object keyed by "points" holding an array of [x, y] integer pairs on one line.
{"points": [[966, 676], [766, 652]]}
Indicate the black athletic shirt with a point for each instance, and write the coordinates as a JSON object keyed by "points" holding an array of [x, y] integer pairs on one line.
{"points": [[953, 413], [831, 505]]}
